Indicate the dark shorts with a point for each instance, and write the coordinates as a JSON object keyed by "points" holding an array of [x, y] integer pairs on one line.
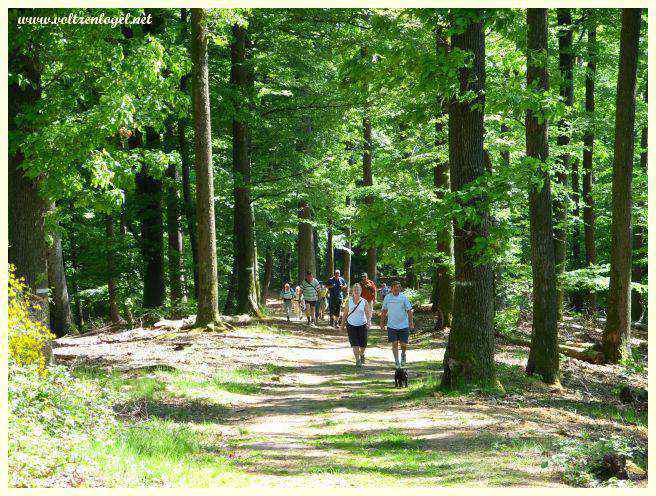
{"points": [[357, 335], [335, 305], [312, 303], [398, 335]]}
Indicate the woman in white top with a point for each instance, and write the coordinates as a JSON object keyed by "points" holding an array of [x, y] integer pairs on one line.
{"points": [[356, 318]]}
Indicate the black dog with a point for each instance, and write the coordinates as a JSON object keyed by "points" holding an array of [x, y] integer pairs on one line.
{"points": [[401, 378]]}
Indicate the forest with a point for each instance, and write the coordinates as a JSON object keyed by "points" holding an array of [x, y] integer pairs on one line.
{"points": [[171, 170]]}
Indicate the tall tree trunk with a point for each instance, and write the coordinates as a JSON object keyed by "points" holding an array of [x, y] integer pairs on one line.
{"points": [[469, 357], [367, 180], [638, 302], [27, 244], [410, 275], [61, 318], [268, 273], [347, 252], [244, 233], [543, 356], [79, 319], [561, 199], [588, 150], [617, 333], [208, 304], [305, 247], [442, 297], [330, 249], [114, 314], [149, 192], [174, 232], [187, 195]]}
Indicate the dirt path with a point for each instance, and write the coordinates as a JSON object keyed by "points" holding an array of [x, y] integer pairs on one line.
{"points": [[316, 420]]}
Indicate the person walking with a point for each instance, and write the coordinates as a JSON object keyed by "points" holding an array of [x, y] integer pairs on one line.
{"points": [[309, 286], [397, 316], [368, 289], [336, 288], [299, 304], [384, 291], [287, 296], [356, 319], [321, 304]]}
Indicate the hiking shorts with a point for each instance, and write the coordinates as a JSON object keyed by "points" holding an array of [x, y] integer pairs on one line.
{"points": [[402, 335], [311, 303], [357, 335]]}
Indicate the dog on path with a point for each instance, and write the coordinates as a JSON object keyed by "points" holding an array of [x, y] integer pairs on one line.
{"points": [[401, 378]]}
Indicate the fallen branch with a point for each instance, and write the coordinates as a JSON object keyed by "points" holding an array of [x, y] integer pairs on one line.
{"points": [[589, 355]]}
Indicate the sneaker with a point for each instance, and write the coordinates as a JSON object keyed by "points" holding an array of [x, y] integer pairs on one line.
{"points": [[402, 358]]}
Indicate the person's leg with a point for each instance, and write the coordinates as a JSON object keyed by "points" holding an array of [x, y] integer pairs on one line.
{"points": [[308, 309], [363, 344], [404, 344]]}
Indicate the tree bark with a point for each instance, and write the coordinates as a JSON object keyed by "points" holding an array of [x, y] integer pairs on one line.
{"points": [[268, 273], [61, 318], [149, 193], [588, 150], [305, 246], [187, 195], [367, 180], [561, 199], [244, 234], [208, 308], [638, 302], [442, 297], [347, 252], [114, 313], [176, 283], [330, 249], [469, 356], [79, 319], [617, 332], [27, 244], [543, 357]]}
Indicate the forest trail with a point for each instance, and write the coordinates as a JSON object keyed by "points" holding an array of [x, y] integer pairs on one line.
{"points": [[295, 411]]}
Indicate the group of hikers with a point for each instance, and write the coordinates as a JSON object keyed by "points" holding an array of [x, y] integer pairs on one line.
{"points": [[312, 297]]}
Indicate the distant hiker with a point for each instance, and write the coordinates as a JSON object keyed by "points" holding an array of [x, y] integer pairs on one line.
{"points": [[336, 287], [299, 304], [287, 296], [384, 291], [368, 289], [397, 316], [309, 287], [356, 318], [321, 305]]}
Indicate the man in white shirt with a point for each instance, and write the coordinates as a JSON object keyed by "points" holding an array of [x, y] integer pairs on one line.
{"points": [[397, 316]]}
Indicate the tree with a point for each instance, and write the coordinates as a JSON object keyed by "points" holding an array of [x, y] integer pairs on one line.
{"points": [[208, 304], [469, 357], [543, 357], [443, 276], [305, 242], [149, 193], [27, 209], [173, 228], [244, 235], [61, 318], [114, 313], [588, 150], [617, 332], [560, 200]]}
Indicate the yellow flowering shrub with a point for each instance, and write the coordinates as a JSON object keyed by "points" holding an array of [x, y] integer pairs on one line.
{"points": [[27, 336]]}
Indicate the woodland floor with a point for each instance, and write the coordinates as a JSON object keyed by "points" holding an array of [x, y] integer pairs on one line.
{"points": [[281, 404]]}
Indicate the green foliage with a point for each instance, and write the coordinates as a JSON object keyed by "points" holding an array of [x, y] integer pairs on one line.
{"points": [[53, 419], [578, 459]]}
